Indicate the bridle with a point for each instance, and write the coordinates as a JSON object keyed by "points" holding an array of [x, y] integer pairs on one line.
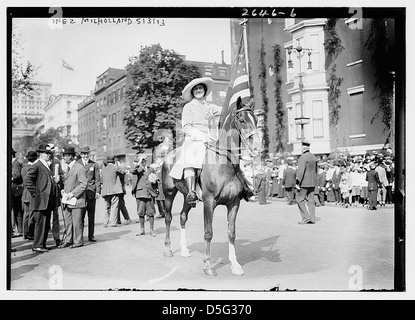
{"points": [[244, 138]]}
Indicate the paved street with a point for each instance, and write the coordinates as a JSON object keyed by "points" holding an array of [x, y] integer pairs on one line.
{"points": [[346, 249]]}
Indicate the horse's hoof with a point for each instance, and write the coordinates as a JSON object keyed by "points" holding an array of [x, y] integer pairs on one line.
{"points": [[237, 270], [168, 253], [185, 254], [210, 271]]}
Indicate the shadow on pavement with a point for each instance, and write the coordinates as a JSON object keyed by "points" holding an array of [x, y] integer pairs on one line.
{"points": [[20, 271], [247, 251], [110, 236]]}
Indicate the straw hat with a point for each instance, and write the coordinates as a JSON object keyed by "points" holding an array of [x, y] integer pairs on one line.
{"points": [[187, 91]]}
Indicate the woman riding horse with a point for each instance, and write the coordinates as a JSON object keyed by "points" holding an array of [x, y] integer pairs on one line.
{"points": [[221, 178], [197, 119]]}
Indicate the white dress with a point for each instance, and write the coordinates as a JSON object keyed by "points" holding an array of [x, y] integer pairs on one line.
{"points": [[197, 125]]}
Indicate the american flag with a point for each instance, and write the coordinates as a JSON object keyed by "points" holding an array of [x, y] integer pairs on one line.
{"points": [[66, 65], [239, 85]]}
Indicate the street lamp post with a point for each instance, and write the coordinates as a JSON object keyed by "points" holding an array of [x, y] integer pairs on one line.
{"points": [[300, 52]]}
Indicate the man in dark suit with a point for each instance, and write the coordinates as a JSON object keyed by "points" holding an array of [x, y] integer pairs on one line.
{"points": [[28, 225], [111, 190], [42, 187], [306, 180], [74, 187], [373, 183], [58, 175], [17, 190], [288, 181], [144, 189], [93, 189]]}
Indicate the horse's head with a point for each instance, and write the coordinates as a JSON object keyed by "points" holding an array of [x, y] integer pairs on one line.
{"points": [[246, 123]]}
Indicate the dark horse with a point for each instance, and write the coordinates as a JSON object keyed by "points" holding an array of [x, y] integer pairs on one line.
{"points": [[220, 179]]}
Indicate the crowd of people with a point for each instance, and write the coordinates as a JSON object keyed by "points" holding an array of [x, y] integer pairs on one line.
{"points": [[44, 185], [346, 181]]}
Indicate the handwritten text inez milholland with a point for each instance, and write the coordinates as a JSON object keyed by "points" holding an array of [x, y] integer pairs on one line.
{"points": [[128, 21], [114, 21]]}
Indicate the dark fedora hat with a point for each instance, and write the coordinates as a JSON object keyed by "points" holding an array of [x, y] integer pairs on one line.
{"points": [[44, 148], [68, 150], [31, 156], [85, 149], [110, 159]]}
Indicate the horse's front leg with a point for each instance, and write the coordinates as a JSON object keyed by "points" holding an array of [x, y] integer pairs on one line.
{"points": [[167, 219], [184, 251], [236, 268], [208, 210]]}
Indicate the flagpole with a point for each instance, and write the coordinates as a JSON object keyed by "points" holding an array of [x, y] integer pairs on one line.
{"points": [[243, 22]]}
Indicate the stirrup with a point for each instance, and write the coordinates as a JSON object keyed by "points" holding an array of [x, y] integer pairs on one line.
{"points": [[192, 198]]}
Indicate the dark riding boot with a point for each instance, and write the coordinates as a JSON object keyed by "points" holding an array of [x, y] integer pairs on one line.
{"points": [[191, 197]]}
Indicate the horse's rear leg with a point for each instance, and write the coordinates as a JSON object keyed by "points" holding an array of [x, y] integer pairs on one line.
{"points": [[167, 219], [236, 268], [184, 251]]}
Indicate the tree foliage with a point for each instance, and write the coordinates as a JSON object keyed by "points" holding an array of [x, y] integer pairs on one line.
{"points": [[52, 135], [22, 73], [262, 76], [156, 78], [280, 116], [333, 47]]}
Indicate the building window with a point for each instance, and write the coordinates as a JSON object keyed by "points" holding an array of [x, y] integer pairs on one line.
{"points": [[356, 113], [68, 115], [104, 123], [208, 70], [315, 56], [222, 72], [68, 104], [318, 131]]}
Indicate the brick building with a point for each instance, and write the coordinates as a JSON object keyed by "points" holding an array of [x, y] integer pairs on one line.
{"points": [[359, 128], [101, 114]]}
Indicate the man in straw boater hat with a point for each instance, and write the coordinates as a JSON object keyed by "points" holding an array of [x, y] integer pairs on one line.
{"points": [[74, 188], [93, 189], [42, 187], [306, 181], [197, 119]]}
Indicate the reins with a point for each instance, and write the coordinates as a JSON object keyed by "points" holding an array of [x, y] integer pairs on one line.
{"points": [[245, 146]]}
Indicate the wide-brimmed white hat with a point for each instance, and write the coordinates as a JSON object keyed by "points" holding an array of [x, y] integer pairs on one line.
{"points": [[187, 91]]}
